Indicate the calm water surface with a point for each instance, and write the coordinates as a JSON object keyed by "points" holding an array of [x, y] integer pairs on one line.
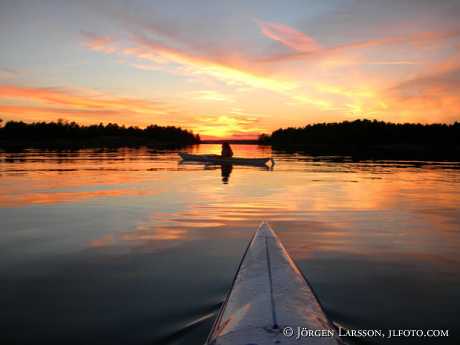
{"points": [[130, 247]]}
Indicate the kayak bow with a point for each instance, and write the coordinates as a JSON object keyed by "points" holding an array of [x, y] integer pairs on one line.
{"points": [[216, 159], [269, 293]]}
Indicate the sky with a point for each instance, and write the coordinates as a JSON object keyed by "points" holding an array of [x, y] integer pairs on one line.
{"points": [[230, 69]]}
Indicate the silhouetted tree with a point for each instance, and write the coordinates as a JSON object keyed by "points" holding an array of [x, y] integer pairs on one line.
{"points": [[264, 139]]}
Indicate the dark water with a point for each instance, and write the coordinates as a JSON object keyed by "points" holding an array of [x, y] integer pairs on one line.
{"points": [[131, 247]]}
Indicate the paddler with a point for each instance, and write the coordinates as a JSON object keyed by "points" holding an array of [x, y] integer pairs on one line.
{"points": [[226, 151]]}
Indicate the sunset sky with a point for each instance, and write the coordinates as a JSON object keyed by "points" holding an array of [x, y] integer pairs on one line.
{"points": [[230, 68]]}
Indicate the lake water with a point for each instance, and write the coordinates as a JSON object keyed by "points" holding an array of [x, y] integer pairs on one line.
{"points": [[129, 246]]}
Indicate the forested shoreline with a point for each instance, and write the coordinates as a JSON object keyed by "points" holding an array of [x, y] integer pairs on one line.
{"points": [[63, 134], [370, 139]]}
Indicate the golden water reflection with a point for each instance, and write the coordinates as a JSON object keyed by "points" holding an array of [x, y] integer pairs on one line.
{"points": [[317, 205]]}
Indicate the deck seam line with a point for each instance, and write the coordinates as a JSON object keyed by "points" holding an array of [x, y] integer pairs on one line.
{"points": [[272, 298]]}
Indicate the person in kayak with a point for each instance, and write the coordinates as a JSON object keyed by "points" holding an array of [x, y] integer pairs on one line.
{"points": [[226, 151]]}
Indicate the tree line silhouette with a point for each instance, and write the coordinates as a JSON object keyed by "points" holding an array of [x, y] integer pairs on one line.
{"points": [[370, 137], [63, 133]]}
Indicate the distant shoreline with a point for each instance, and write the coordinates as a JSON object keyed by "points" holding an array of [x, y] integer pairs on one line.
{"points": [[71, 135], [366, 139], [359, 139], [377, 152]]}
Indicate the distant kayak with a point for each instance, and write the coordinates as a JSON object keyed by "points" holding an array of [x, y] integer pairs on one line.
{"points": [[216, 159], [270, 298]]}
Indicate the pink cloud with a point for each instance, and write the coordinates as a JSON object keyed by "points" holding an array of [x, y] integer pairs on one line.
{"points": [[288, 36], [104, 44], [304, 46]]}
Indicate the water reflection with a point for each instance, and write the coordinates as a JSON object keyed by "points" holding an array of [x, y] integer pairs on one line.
{"points": [[226, 170], [160, 240]]}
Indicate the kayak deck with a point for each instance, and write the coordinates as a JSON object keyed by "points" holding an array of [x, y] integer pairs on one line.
{"points": [[216, 159], [268, 294]]}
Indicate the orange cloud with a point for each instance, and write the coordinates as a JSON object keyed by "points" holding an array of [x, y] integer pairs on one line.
{"points": [[84, 106], [55, 112], [86, 99]]}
